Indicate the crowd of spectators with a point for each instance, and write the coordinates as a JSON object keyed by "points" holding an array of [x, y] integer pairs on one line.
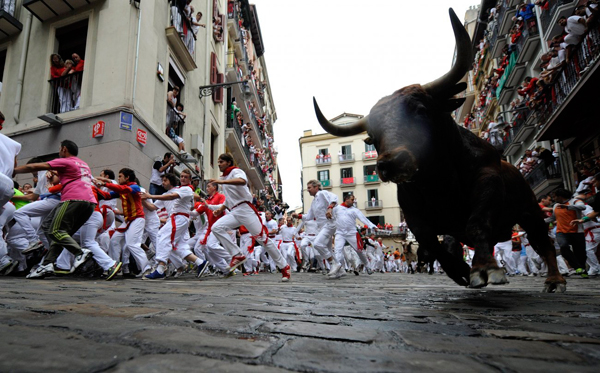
{"points": [[535, 93]]}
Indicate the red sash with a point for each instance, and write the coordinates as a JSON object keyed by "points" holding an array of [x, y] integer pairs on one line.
{"points": [[589, 231], [359, 242]]}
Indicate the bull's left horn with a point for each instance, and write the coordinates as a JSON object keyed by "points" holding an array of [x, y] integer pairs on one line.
{"points": [[444, 87], [337, 130]]}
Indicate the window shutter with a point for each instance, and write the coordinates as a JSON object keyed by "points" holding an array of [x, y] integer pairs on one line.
{"points": [[213, 68], [218, 92]]}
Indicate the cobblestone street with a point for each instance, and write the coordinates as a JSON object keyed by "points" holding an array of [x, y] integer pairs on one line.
{"points": [[384, 322]]}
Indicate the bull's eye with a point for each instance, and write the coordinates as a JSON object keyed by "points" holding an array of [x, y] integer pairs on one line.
{"points": [[368, 141]]}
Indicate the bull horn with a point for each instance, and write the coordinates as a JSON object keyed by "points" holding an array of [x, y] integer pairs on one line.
{"points": [[443, 87], [337, 130]]}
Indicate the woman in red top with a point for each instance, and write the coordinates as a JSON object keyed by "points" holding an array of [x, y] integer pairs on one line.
{"points": [[58, 69]]}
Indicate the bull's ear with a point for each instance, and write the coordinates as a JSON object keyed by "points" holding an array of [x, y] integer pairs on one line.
{"points": [[452, 104]]}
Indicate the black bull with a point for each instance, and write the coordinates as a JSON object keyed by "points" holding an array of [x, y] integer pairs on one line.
{"points": [[451, 182]]}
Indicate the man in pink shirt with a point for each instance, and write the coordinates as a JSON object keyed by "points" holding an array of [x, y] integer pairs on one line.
{"points": [[76, 206]]}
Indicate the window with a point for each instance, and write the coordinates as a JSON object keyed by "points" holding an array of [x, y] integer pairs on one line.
{"points": [[369, 148], [346, 149], [216, 78], [370, 170], [377, 219], [324, 151], [213, 148], [323, 175], [175, 122], [346, 172], [66, 90], [372, 193], [2, 64]]}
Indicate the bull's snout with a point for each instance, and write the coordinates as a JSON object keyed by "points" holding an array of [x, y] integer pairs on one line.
{"points": [[397, 167]]}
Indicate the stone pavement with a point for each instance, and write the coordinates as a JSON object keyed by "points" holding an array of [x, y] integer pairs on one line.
{"points": [[378, 323]]}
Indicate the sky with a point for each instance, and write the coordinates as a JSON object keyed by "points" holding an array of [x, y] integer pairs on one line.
{"points": [[348, 54]]}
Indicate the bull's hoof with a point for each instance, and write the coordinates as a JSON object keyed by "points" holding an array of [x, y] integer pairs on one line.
{"points": [[478, 280], [497, 276], [555, 288]]}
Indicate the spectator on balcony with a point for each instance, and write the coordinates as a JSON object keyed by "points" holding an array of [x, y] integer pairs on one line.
{"points": [[575, 27], [528, 87], [177, 7], [526, 13], [58, 69], [172, 133], [78, 64], [340, 155], [217, 29], [196, 23]]}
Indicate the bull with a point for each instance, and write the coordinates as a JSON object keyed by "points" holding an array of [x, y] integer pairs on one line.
{"points": [[451, 182]]}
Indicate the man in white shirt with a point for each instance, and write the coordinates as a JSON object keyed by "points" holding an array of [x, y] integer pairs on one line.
{"points": [[172, 236], [9, 149], [241, 212], [306, 245], [345, 216], [287, 246], [321, 210]]}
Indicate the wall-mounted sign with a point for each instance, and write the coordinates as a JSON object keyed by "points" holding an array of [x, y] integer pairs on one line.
{"points": [[98, 129], [126, 121], [141, 137], [160, 72]]}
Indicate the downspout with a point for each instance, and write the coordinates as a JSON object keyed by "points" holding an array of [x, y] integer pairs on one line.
{"points": [[137, 56], [208, 35], [20, 77]]}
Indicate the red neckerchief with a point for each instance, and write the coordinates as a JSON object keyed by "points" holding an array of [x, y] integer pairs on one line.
{"points": [[228, 170], [189, 185], [130, 183], [343, 204], [290, 225]]}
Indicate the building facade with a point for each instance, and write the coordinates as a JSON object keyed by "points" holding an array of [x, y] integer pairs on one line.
{"points": [[346, 165], [115, 108], [554, 114]]}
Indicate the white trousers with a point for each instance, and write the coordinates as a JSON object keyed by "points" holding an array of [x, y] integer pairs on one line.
{"points": [[245, 243], [288, 250], [6, 214], [322, 242], [341, 240], [172, 240], [129, 243], [17, 242], [214, 252], [592, 238], [7, 189], [504, 250], [41, 209], [246, 216]]}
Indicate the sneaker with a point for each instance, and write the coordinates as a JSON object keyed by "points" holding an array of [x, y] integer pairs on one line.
{"points": [[112, 271], [7, 269], [581, 272], [593, 273], [5, 265], [369, 271], [81, 258], [41, 271], [155, 276], [178, 273], [337, 271], [356, 272], [201, 269], [285, 272], [32, 247], [324, 271], [236, 261]]}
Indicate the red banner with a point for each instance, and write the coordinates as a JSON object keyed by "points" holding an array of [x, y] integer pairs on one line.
{"points": [[141, 136], [98, 129]]}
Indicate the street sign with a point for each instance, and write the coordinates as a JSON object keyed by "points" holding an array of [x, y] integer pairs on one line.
{"points": [[98, 129], [141, 137], [126, 121]]}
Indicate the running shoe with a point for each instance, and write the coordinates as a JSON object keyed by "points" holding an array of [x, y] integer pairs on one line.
{"points": [[581, 272], [32, 247], [236, 261], [155, 276], [112, 271], [81, 258], [286, 274], [201, 269], [41, 271]]}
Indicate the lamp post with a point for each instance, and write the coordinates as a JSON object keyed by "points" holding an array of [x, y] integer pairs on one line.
{"points": [[208, 90]]}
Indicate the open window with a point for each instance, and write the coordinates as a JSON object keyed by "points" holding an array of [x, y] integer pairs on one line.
{"points": [[66, 73], [175, 112]]}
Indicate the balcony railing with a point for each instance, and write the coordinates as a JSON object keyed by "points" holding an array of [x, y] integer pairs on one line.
{"points": [[372, 154], [184, 27], [372, 179], [325, 183], [373, 204], [543, 172], [546, 15], [174, 123], [323, 161], [65, 92], [346, 157], [347, 181], [240, 135], [9, 25]]}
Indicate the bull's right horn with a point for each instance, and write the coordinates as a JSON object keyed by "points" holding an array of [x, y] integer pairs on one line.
{"points": [[337, 130]]}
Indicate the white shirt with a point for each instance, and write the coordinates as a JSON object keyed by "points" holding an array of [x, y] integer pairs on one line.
{"points": [[574, 27], [42, 184], [9, 149], [185, 202], [318, 207], [235, 194], [288, 233], [345, 219], [310, 227], [271, 224]]}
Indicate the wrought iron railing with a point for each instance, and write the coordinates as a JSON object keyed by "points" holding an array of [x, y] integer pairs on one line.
{"points": [[347, 181], [372, 179], [65, 92], [346, 157], [546, 15], [8, 6], [542, 172], [373, 204], [182, 24]]}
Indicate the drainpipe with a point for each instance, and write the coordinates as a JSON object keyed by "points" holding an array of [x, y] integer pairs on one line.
{"points": [[137, 55], [208, 35], [19, 95]]}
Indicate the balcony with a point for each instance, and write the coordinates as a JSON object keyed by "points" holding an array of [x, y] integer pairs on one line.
{"points": [[373, 205], [181, 38], [47, 9], [528, 43], [573, 99], [372, 154], [326, 184], [511, 77], [347, 182], [234, 138], [519, 132], [65, 92], [556, 9], [505, 15], [544, 178], [323, 161], [9, 25], [346, 158], [372, 179]]}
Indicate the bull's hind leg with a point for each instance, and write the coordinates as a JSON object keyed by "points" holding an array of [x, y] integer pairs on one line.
{"points": [[537, 233]]}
